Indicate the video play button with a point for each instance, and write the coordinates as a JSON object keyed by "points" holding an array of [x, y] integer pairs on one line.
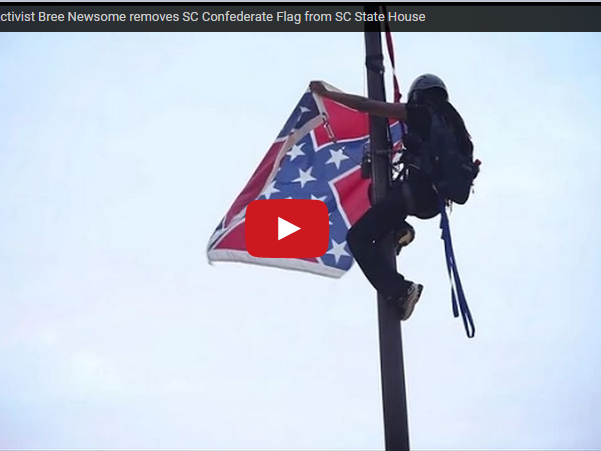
{"points": [[285, 228], [267, 233]]}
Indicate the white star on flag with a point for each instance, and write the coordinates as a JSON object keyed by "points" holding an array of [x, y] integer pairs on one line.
{"points": [[269, 190], [338, 250], [323, 199], [296, 151], [304, 177], [337, 156]]}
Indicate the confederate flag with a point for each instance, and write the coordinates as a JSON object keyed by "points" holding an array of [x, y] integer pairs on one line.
{"points": [[317, 155]]}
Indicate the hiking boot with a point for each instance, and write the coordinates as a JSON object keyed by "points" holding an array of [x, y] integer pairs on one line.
{"points": [[404, 237], [407, 302]]}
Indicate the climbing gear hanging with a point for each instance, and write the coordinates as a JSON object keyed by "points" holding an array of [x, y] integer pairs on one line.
{"points": [[390, 48], [458, 299]]}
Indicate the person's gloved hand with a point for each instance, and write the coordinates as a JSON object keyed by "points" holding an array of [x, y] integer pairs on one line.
{"points": [[318, 87]]}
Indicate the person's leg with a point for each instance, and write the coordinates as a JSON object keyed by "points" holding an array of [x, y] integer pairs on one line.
{"points": [[425, 199], [422, 203], [384, 217]]}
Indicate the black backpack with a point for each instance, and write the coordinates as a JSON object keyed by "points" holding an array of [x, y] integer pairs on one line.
{"points": [[447, 156]]}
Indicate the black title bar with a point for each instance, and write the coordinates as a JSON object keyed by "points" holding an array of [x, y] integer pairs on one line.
{"points": [[294, 17]]}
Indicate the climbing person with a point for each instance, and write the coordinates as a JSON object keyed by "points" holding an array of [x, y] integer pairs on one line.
{"points": [[437, 164]]}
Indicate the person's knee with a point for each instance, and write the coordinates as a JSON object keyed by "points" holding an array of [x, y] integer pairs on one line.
{"points": [[352, 237], [357, 237]]}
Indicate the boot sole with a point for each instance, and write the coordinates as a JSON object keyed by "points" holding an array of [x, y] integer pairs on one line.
{"points": [[405, 240], [411, 305]]}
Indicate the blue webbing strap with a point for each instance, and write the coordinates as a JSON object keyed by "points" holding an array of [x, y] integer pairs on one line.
{"points": [[457, 294]]}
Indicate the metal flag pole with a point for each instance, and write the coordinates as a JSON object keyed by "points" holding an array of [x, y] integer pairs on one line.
{"points": [[394, 398]]}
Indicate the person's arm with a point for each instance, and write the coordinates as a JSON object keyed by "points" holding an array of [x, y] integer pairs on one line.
{"points": [[375, 107]]}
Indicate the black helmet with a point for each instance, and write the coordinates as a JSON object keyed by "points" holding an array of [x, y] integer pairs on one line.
{"points": [[427, 81]]}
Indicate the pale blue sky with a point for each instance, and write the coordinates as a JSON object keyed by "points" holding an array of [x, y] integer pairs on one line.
{"points": [[119, 154]]}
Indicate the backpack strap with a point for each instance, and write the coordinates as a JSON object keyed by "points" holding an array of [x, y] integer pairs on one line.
{"points": [[457, 295]]}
